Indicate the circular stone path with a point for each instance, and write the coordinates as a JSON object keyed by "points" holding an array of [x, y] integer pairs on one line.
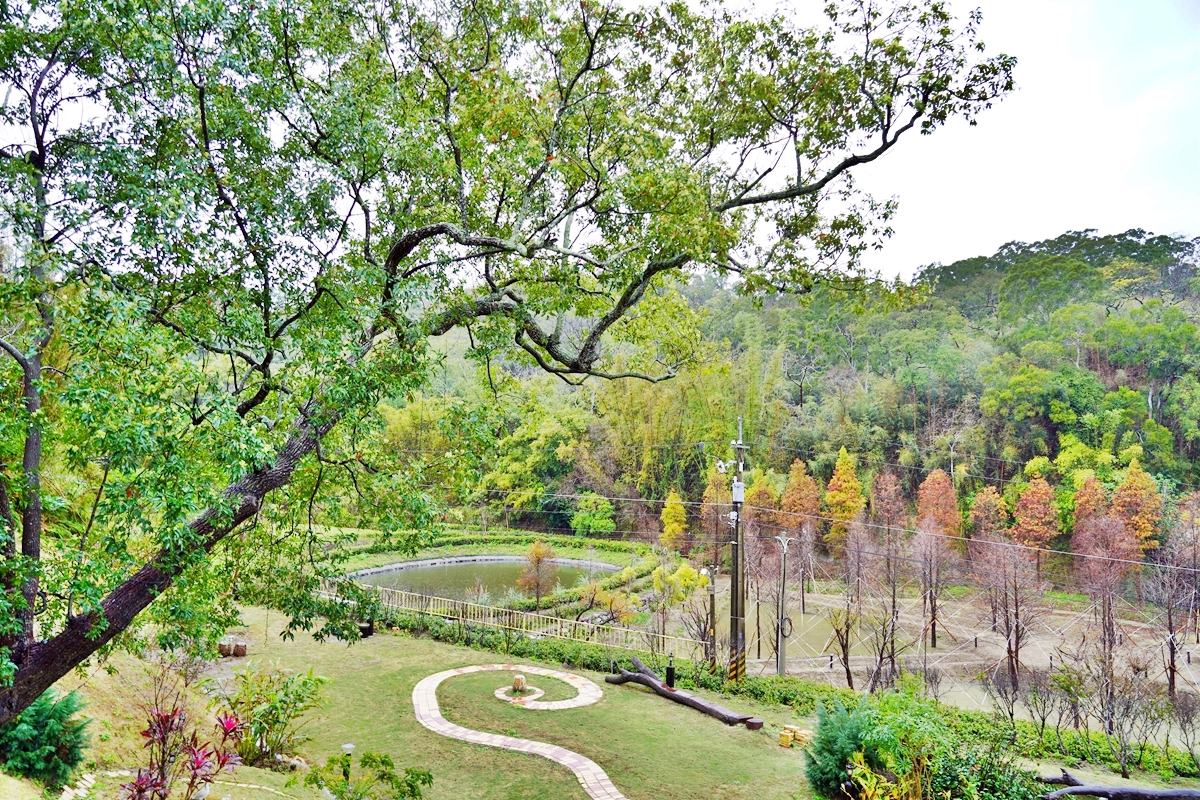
{"points": [[593, 779]]}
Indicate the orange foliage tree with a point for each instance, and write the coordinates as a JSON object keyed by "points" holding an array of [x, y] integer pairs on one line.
{"points": [[989, 514], [1090, 501], [937, 502], [716, 501], [801, 504], [540, 574], [887, 505], [761, 504], [1037, 519], [1137, 503], [801, 498]]}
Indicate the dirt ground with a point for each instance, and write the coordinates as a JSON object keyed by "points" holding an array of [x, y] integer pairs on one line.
{"points": [[966, 643]]}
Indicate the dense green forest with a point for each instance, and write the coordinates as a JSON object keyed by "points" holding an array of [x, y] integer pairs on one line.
{"points": [[1064, 358]]}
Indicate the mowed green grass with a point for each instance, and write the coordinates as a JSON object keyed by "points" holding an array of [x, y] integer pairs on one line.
{"points": [[649, 747]]}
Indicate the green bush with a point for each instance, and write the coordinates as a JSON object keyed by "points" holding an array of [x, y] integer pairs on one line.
{"points": [[981, 773], [805, 697], [270, 704], [44, 743], [466, 537], [839, 736], [913, 746], [582, 655], [375, 779]]}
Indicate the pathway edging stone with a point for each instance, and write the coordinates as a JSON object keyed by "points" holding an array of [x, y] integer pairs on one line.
{"points": [[593, 779]]}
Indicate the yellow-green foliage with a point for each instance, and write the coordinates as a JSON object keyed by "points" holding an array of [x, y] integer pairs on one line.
{"points": [[674, 521], [675, 587], [843, 499]]}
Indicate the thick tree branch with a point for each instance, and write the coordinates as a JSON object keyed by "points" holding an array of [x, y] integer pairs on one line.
{"points": [[843, 166], [1074, 786], [16, 354], [45, 662]]}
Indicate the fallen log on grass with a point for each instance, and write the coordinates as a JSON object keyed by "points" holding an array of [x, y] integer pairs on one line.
{"points": [[646, 677], [1075, 786]]}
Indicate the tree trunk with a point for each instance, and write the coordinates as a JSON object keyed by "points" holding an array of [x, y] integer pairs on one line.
{"points": [[646, 677], [1074, 786], [45, 662], [933, 620]]}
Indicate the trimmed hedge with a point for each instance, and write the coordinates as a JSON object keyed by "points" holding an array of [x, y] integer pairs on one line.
{"points": [[1078, 746], [467, 537]]}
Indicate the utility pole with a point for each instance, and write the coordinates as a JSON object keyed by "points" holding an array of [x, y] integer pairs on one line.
{"points": [[710, 642], [737, 572], [781, 619]]}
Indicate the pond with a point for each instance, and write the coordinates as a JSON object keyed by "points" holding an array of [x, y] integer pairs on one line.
{"points": [[459, 580]]}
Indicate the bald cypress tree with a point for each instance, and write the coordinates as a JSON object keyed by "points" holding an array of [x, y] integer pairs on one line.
{"points": [[844, 501]]}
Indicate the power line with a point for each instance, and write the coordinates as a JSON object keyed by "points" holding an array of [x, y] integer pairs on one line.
{"points": [[820, 518]]}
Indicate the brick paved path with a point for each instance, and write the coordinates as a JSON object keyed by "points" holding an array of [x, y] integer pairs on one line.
{"points": [[595, 782]]}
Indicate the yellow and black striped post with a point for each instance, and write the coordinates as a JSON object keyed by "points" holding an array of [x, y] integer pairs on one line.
{"points": [[737, 573]]}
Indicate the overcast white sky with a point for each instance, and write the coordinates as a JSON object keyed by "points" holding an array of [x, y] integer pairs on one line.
{"points": [[1103, 132]]}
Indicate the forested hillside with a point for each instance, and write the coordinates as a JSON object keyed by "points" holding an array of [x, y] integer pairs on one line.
{"points": [[1063, 359]]}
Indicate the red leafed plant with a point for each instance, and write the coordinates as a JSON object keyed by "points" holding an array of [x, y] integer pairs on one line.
{"points": [[176, 754]]}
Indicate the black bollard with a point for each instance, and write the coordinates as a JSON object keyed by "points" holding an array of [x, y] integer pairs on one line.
{"points": [[671, 671]]}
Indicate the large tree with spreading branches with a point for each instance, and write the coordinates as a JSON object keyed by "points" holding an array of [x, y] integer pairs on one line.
{"points": [[232, 228]]}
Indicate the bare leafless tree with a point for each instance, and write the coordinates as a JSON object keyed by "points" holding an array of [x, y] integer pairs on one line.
{"points": [[1069, 680], [1105, 551], [1172, 587], [1009, 573], [1004, 693], [844, 621], [1185, 714], [800, 558], [887, 573], [936, 561], [1039, 698], [858, 560], [762, 569], [1133, 711]]}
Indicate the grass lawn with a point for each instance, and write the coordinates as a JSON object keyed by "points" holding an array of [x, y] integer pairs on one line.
{"points": [[16, 789], [648, 746], [116, 705]]}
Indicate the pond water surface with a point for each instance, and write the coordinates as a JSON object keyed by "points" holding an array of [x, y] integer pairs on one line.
{"points": [[459, 581]]}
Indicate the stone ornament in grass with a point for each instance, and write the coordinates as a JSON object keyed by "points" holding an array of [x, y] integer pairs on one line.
{"points": [[510, 695], [519, 684]]}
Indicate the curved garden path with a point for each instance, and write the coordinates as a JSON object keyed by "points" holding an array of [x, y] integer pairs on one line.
{"points": [[593, 779]]}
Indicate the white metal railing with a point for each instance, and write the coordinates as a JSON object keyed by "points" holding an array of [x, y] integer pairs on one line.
{"points": [[534, 624]]}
